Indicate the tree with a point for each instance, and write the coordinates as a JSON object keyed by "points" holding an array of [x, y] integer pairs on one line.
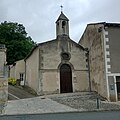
{"points": [[15, 38]]}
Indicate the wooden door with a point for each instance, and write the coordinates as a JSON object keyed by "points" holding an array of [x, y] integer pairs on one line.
{"points": [[65, 79], [118, 86]]}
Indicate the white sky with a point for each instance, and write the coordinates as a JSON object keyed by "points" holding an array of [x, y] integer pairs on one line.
{"points": [[39, 16]]}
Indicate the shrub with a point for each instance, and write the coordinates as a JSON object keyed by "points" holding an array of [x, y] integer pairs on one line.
{"points": [[12, 81]]}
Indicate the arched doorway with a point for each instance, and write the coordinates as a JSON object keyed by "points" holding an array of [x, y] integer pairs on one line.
{"points": [[65, 79]]}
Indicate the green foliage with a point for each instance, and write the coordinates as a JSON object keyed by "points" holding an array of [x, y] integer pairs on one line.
{"points": [[12, 81], [18, 44]]}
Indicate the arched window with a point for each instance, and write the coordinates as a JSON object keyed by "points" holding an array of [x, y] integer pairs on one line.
{"points": [[58, 23], [63, 24]]}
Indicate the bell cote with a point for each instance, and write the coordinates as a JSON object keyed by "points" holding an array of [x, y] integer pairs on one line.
{"points": [[62, 25]]}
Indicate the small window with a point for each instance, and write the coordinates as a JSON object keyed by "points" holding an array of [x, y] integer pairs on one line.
{"points": [[21, 76], [58, 23], [65, 56], [63, 24]]}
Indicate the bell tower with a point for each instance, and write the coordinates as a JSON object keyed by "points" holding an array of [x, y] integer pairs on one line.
{"points": [[62, 25]]}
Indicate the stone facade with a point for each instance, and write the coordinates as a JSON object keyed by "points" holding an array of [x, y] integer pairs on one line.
{"points": [[43, 75], [50, 63], [102, 41], [3, 79], [93, 40]]}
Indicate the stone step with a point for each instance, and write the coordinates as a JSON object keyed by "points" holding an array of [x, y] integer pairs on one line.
{"points": [[80, 95]]}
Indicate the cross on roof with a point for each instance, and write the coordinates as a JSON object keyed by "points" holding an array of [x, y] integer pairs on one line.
{"points": [[61, 8]]}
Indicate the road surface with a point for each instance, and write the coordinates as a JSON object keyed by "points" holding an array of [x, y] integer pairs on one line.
{"points": [[109, 115]]}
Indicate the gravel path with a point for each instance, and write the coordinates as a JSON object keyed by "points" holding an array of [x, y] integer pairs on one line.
{"points": [[86, 101]]}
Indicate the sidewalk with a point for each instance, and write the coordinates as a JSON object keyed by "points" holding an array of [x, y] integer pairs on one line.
{"points": [[34, 106]]}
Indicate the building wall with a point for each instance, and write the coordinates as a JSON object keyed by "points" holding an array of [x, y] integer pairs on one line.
{"points": [[3, 79], [31, 70], [80, 71], [112, 92], [2, 61], [93, 39], [114, 48], [50, 62], [17, 68], [50, 82], [113, 69], [12, 71]]}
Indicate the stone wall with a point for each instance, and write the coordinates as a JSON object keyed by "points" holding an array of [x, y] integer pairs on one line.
{"points": [[3, 94], [3, 79], [93, 39], [43, 66], [52, 60], [31, 70]]}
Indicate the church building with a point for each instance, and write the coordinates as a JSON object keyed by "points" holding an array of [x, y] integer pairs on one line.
{"points": [[58, 65]]}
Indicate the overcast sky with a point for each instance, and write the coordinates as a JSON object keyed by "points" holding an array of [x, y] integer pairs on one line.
{"points": [[39, 16]]}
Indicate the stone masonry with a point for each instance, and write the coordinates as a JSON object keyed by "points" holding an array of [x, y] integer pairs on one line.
{"points": [[3, 78]]}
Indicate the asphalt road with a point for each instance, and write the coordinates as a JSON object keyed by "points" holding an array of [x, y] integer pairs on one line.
{"points": [[109, 115], [18, 93]]}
